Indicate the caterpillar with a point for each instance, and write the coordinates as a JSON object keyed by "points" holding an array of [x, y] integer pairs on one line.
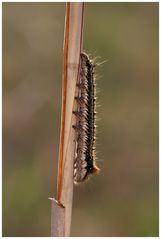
{"points": [[85, 154]]}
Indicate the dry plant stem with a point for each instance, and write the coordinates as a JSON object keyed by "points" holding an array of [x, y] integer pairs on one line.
{"points": [[57, 226], [62, 210]]}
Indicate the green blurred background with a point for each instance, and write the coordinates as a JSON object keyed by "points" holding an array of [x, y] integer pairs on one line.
{"points": [[123, 199]]}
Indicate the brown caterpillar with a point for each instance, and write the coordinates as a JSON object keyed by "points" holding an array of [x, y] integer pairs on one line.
{"points": [[84, 163]]}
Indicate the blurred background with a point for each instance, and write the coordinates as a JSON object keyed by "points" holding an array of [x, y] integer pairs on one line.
{"points": [[123, 199]]}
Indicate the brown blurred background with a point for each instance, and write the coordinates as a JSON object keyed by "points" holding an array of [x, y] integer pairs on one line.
{"points": [[123, 199]]}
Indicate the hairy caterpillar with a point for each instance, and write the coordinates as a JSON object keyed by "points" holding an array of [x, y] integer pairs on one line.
{"points": [[84, 164]]}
